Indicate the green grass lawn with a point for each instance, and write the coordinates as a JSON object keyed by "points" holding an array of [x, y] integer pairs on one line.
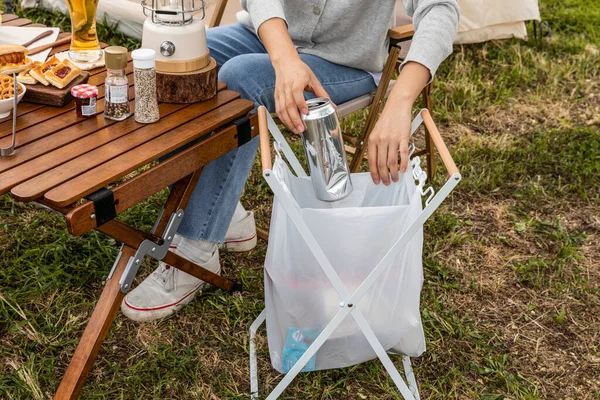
{"points": [[511, 300]]}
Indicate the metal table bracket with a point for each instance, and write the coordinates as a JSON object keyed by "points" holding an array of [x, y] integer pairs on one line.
{"points": [[149, 248], [104, 205]]}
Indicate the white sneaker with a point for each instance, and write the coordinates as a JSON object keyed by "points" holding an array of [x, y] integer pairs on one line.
{"points": [[241, 235], [165, 291]]}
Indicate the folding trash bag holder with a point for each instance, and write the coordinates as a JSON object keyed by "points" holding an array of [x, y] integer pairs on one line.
{"points": [[348, 301]]}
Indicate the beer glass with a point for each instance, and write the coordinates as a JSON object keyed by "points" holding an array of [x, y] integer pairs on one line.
{"points": [[84, 41]]}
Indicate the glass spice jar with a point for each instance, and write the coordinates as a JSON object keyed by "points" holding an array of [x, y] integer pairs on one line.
{"points": [[116, 85], [85, 99], [144, 79]]}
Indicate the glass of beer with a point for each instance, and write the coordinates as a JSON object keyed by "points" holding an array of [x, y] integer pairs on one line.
{"points": [[84, 41]]}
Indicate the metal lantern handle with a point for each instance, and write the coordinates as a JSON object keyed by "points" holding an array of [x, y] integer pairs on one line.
{"points": [[153, 10]]}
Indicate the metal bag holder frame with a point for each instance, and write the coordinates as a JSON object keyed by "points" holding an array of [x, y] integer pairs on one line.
{"points": [[11, 149], [348, 300]]}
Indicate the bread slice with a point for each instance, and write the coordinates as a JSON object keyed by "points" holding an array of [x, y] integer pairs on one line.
{"points": [[12, 48], [25, 77], [38, 72], [62, 74]]}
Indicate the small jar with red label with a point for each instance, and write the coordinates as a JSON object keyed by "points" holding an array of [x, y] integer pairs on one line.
{"points": [[85, 99]]}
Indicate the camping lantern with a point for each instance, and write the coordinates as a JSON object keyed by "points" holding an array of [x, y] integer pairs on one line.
{"points": [[175, 30]]}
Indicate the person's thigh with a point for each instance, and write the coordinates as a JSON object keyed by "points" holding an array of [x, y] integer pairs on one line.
{"points": [[252, 75], [340, 82], [228, 41]]}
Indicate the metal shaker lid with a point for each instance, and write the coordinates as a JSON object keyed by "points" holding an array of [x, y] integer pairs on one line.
{"points": [[115, 57]]}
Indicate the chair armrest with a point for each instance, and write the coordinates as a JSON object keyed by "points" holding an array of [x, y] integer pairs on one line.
{"points": [[401, 32]]}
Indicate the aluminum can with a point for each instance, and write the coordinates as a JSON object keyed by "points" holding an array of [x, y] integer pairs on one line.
{"points": [[324, 149]]}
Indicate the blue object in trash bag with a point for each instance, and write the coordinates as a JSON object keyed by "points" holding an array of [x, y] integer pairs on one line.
{"points": [[296, 343]]}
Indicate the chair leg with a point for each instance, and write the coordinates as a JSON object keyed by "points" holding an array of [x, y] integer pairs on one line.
{"points": [[95, 333], [428, 104], [218, 13], [373, 112]]}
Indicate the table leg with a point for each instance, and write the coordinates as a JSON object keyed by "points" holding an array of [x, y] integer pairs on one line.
{"points": [[112, 296], [94, 334], [178, 199]]}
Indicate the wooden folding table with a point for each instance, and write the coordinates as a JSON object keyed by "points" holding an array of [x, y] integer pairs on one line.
{"points": [[80, 168]]}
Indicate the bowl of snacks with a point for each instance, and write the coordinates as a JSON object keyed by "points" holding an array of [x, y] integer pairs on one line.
{"points": [[7, 93]]}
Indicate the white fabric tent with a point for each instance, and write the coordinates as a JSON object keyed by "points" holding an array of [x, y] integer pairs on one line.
{"points": [[481, 20]]}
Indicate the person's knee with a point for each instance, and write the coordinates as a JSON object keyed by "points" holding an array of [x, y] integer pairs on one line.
{"points": [[232, 72]]}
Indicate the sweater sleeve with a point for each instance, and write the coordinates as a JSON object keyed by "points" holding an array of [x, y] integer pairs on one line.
{"points": [[263, 10], [435, 23]]}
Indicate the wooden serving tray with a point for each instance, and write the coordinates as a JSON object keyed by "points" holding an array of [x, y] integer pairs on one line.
{"points": [[52, 96]]}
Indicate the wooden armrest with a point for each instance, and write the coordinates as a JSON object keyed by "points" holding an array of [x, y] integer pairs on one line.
{"points": [[401, 32]]}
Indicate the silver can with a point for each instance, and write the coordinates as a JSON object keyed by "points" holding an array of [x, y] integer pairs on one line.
{"points": [[324, 149]]}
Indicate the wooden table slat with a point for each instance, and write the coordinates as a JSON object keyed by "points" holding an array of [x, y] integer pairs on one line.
{"points": [[64, 171], [51, 126], [17, 22], [70, 143], [22, 109], [79, 139], [48, 113], [99, 177], [6, 18]]}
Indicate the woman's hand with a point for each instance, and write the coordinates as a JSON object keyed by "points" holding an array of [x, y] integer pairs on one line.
{"points": [[292, 78], [292, 75], [390, 137], [388, 142]]}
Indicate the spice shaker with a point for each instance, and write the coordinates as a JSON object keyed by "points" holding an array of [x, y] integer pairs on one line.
{"points": [[144, 76], [116, 85]]}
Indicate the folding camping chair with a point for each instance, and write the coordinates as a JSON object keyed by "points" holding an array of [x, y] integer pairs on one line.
{"points": [[347, 300], [373, 101]]}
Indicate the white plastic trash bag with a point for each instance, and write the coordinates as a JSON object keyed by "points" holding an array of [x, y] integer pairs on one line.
{"points": [[354, 233]]}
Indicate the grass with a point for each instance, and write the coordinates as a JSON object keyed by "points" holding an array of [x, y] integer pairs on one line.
{"points": [[511, 300]]}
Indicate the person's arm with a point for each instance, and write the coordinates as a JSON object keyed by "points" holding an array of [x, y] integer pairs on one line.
{"points": [[391, 134], [292, 75], [435, 23]]}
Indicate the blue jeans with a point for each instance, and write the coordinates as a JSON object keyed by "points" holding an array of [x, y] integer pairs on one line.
{"points": [[245, 67]]}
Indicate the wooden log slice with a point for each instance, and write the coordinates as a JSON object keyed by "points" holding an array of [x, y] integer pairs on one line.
{"points": [[188, 87]]}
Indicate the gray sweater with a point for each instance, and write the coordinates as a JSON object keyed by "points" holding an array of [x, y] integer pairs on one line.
{"points": [[354, 32]]}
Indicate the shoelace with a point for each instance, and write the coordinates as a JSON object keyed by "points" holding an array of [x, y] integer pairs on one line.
{"points": [[164, 273]]}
